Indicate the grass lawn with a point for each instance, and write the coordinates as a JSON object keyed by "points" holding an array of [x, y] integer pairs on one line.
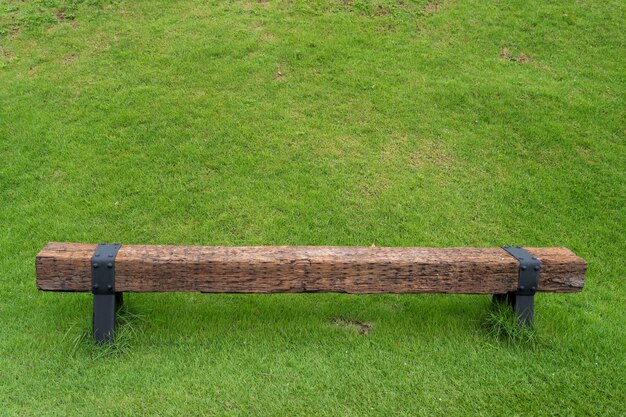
{"points": [[398, 123]]}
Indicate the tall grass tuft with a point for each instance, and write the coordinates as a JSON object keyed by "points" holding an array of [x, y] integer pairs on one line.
{"points": [[502, 324], [127, 330]]}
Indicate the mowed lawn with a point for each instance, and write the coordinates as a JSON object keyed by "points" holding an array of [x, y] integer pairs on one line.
{"points": [[394, 123]]}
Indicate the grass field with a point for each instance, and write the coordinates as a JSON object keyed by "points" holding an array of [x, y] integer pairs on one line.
{"points": [[395, 123]]}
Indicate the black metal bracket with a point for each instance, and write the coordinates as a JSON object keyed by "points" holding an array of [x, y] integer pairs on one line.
{"points": [[523, 299], [105, 299]]}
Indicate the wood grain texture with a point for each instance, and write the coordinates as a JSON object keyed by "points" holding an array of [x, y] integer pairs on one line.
{"points": [[277, 269]]}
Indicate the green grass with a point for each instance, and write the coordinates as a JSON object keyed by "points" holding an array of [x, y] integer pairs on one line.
{"points": [[458, 123]]}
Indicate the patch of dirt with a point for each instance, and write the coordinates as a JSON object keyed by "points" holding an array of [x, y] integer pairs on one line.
{"points": [[584, 152], [505, 54], [60, 15], [394, 148], [58, 174], [250, 5], [67, 59], [63, 17], [432, 8], [361, 326], [279, 72], [267, 37], [15, 29], [431, 153], [381, 11], [6, 55]]}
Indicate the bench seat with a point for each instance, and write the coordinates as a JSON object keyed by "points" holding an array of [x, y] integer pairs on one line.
{"points": [[302, 269]]}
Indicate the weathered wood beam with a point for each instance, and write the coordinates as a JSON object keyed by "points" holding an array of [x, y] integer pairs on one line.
{"points": [[358, 270]]}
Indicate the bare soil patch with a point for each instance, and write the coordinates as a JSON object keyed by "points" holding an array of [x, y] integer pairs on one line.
{"points": [[68, 59], [361, 326], [432, 8], [431, 153]]}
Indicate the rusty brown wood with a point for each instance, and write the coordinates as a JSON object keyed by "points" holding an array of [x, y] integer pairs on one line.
{"points": [[276, 269]]}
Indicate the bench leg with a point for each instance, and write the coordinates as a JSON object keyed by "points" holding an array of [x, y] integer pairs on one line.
{"points": [[104, 310], [523, 305], [525, 309], [119, 299]]}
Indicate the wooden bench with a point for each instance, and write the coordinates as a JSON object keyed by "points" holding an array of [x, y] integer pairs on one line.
{"points": [[511, 274]]}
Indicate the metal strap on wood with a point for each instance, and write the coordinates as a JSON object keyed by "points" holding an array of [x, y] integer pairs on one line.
{"points": [[105, 299], [523, 300]]}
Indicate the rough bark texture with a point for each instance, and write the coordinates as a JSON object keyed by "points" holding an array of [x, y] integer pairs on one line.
{"points": [[362, 270]]}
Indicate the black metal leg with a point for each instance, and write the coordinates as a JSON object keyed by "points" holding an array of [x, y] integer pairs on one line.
{"points": [[525, 309], [522, 305], [119, 299], [104, 308]]}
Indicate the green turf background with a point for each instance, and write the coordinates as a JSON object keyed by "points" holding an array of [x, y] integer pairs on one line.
{"points": [[398, 123]]}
